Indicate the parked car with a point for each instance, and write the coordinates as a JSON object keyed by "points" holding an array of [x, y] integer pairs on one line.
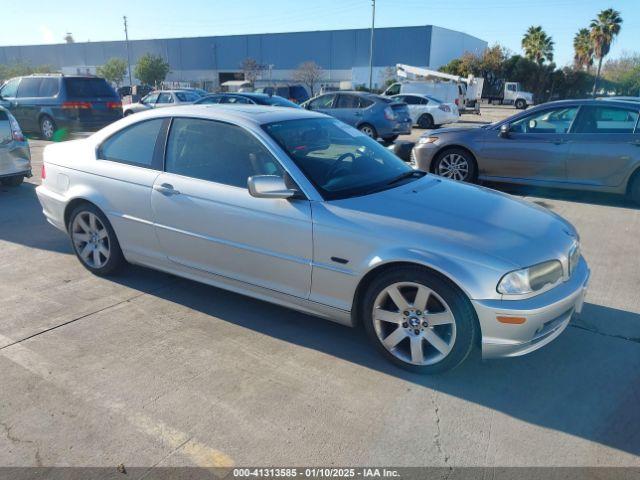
{"points": [[373, 115], [294, 93], [292, 195], [50, 103], [247, 99], [577, 144], [161, 98], [448, 92], [427, 111], [15, 157]]}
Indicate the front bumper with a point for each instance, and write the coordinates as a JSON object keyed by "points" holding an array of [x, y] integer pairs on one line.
{"points": [[547, 315], [423, 155]]}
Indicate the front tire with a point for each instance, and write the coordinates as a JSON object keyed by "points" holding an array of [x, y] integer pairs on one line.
{"points": [[634, 189], [94, 240], [14, 181], [390, 138], [456, 164], [419, 321]]}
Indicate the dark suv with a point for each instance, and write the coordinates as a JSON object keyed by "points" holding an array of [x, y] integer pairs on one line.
{"points": [[55, 104]]}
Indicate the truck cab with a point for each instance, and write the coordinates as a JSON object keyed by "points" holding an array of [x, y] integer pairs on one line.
{"points": [[514, 94]]}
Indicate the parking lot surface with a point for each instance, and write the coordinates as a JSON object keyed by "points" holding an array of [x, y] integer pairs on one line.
{"points": [[145, 369]]}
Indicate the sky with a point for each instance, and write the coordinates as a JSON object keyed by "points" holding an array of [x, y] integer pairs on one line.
{"points": [[501, 21]]}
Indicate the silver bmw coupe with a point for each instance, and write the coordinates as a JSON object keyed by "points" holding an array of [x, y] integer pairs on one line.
{"points": [[296, 208]]}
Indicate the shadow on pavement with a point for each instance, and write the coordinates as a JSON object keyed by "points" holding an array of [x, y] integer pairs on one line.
{"points": [[582, 384]]}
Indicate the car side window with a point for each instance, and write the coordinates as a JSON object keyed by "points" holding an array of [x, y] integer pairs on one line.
{"points": [[601, 119], [165, 98], [150, 99], [364, 102], [133, 145], [49, 87], [10, 89], [347, 101], [217, 152], [411, 100], [394, 89], [29, 87], [325, 101], [557, 120]]}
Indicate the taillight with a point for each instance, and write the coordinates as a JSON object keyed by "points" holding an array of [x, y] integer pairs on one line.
{"points": [[389, 114], [16, 133], [444, 108], [114, 105], [43, 172], [76, 105]]}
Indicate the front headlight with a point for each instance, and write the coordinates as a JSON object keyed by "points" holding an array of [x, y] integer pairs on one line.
{"points": [[423, 140], [531, 279]]}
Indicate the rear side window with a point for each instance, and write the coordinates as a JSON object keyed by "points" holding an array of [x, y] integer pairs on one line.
{"points": [[88, 87], [217, 152], [347, 101], [29, 87], [48, 87], [364, 102], [209, 100], [133, 145], [187, 96], [10, 89], [605, 120], [165, 98]]}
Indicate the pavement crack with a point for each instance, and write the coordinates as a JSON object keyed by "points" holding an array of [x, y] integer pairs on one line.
{"points": [[437, 436], [16, 440], [80, 317], [611, 335]]}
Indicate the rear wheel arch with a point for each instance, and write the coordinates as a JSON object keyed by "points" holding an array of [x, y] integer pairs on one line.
{"points": [[72, 205], [634, 181]]}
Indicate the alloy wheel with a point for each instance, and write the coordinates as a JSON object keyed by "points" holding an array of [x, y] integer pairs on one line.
{"points": [[90, 239], [414, 323], [454, 166], [47, 128], [367, 130]]}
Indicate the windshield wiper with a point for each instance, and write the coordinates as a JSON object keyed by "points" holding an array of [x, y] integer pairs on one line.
{"points": [[409, 174]]}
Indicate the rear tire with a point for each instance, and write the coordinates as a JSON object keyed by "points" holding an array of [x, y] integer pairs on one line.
{"points": [[390, 139], [94, 240], [426, 336], [520, 104], [425, 121], [634, 189], [127, 113], [47, 127], [14, 181], [368, 130]]}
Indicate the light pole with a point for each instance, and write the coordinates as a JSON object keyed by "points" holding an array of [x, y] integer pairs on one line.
{"points": [[373, 26], [126, 36]]}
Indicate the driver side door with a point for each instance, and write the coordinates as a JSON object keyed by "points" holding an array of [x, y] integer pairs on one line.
{"points": [[536, 148], [207, 221]]}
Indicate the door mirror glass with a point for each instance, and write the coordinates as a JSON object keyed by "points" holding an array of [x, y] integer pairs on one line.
{"points": [[505, 128], [269, 186]]}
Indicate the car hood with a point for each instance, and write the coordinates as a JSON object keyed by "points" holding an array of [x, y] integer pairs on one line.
{"points": [[464, 220], [466, 129]]}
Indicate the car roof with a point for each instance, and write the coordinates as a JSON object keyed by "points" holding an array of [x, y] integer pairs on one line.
{"points": [[240, 114], [588, 101]]}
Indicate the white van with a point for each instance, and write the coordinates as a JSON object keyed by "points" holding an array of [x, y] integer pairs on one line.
{"points": [[447, 92]]}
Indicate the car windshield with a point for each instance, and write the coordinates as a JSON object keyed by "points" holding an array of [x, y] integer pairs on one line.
{"points": [[340, 161]]}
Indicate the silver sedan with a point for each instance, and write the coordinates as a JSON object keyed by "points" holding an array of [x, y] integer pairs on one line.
{"points": [[299, 209]]}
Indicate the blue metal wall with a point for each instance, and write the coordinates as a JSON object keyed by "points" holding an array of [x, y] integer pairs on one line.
{"points": [[334, 49]]}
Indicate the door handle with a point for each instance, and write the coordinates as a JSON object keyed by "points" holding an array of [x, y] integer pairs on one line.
{"points": [[166, 189]]}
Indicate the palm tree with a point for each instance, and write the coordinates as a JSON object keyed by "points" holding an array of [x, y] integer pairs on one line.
{"points": [[583, 48], [604, 29], [537, 45]]}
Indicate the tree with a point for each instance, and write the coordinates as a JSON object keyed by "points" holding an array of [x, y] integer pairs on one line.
{"points": [[21, 69], [537, 45], [389, 76], [113, 70], [68, 38], [251, 69], [624, 74], [583, 49], [604, 28], [151, 69], [309, 73]]}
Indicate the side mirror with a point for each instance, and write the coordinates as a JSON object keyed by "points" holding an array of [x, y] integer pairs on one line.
{"points": [[505, 128], [269, 186]]}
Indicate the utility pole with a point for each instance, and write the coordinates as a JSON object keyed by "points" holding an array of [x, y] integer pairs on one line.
{"points": [[126, 36], [373, 26]]}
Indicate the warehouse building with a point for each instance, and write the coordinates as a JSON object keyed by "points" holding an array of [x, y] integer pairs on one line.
{"points": [[209, 61]]}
